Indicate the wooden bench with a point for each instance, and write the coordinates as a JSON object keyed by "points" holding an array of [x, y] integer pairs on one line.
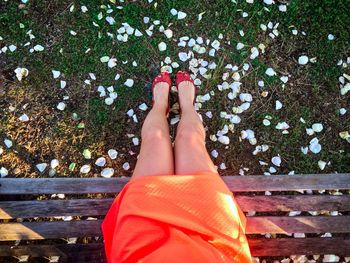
{"points": [[44, 236]]}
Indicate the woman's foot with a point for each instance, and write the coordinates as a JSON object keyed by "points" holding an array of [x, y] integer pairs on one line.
{"points": [[186, 90], [160, 91]]}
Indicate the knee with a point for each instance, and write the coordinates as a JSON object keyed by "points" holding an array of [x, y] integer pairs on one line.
{"points": [[154, 134], [191, 134]]}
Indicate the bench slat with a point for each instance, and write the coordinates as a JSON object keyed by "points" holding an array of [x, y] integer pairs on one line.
{"points": [[93, 252], [300, 246], [297, 224], [47, 230], [50, 208], [259, 247], [114, 185], [294, 203], [255, 225], [94, 207]]}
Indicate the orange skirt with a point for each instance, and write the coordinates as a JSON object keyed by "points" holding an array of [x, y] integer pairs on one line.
{"points": [[175, 218]]}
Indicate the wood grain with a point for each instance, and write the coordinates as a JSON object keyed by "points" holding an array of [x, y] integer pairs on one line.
{"points": [[288, 203], [50, 208], [259, 247], [114, 185], [255, 225]]}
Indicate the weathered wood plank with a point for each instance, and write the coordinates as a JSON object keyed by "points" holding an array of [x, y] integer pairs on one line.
{"points": [[47, 230], [67, 253], [61, 185], [255, 225], [297, 224], [300, 246], [49, 208], [94, 207], [294, 203], [259, 247], [114, 185]]}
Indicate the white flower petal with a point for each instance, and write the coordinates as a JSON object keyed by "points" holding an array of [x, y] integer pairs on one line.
{"points": [[276, 160], [183, 56], [270, 72], [107, 172], [112, 154], [41, 167], [85, 169], [129, 83], [101, 161], [181, 15], [303, 60], [56, 74], [162, 46]]}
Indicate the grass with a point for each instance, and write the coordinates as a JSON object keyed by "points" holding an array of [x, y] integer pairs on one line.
{"points": [[312, 91]]}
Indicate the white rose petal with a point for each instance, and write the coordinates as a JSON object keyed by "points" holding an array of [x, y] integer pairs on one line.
{"points": [[3, 172], [330, 37], [303, 60], [135, 141], [168, 33], [181, 15], [162, 46], [12, 48], [21, 72], [110, 20], [8, 143], [54, 163], [38, 48], [284, 79], [138, 33], [63, 84], [317, 127], [126, 166], [129, 83], [85, 169], [61, 106], [214, 153], [107, 172], [270, 72], [330, 258], [282, 8], [112, 154], [276, 160], [239, 46], [268, 2], [41, 167], [342, 111], [109, 101], [183, 56], [56, 74], [24, 117], [321, 164], [224, 139], [112, 62], [101, 161], [173, 11], [278, 105], [266, 122], [143, 107]]}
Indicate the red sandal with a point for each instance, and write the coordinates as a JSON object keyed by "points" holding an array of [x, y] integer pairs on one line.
{"points": [[185, 76], [162, 77]]}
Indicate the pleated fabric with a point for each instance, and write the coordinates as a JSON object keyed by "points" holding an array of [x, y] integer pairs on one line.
{"points": [[175, 218]]}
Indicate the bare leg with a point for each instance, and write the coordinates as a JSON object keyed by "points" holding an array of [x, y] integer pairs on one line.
{"points": [[156, 154], [191, 155]]}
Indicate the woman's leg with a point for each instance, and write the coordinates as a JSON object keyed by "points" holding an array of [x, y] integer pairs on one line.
{"points": [[156, 154], [191, 155]]}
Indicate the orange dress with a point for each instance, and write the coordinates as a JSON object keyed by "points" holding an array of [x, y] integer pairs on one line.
{"points": [[175, 218]]}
